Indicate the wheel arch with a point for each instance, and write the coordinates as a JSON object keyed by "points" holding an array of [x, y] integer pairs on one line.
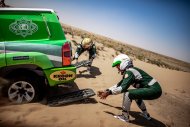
{"points": [[31, 72], [24, 70]]}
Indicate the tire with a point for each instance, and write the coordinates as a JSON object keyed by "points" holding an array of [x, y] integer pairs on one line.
{"points": [[23, 90]]}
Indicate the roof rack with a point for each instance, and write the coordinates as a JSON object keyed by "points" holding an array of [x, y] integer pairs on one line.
{"points": [[27, 9]]}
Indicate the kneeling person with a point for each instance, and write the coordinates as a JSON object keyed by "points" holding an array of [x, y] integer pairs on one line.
{"points": [[86, 45], [147, 88]]}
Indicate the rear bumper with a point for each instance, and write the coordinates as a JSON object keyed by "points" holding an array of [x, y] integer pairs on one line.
{"points": [[61, 75]]}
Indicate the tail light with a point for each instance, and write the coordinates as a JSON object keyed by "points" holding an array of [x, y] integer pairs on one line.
{"points": [[66, 54]]}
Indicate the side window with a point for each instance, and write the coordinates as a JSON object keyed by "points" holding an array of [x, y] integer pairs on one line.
{"points": [[23, 26]]}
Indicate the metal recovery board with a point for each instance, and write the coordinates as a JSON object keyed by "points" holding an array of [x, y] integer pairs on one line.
{"points": [[70, 97], [82, 63]]}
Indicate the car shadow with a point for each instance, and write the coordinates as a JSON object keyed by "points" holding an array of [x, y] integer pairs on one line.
{"points": [[70, 89], [93, 73], [62, 89], [138, 119], [84, 101], [53, 92]]}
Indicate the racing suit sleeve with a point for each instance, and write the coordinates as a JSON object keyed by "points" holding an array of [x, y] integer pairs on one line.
{"points": [[92, 52], [78, 52], [124, 84]]}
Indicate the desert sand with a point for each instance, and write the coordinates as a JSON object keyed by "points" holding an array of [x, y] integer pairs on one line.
{"points": [[172, 109]]}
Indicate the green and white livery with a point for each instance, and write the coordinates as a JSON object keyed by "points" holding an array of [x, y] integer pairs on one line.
{"points": [[33, 52], [23, 27]]}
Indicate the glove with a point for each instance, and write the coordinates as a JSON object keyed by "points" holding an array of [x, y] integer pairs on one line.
{"points": [[93, 56], [99, 93], [103, 94], [74, 58]]}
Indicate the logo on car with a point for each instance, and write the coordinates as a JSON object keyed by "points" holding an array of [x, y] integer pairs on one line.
{"points": [[23, 27], [62, 75]]}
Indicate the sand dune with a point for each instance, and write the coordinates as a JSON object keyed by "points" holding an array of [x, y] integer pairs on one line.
{"points": [[172, 109]]}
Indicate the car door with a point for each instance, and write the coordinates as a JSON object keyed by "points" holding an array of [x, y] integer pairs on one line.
{"points": [[2, 48], [2, 54]]}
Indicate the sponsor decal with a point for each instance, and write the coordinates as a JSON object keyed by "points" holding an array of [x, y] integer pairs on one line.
{"points": [[23, 27], [62, 75], [126, 75], [21, 58]]}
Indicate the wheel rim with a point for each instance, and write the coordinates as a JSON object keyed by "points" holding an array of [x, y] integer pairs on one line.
{"points": [[21, 92]]}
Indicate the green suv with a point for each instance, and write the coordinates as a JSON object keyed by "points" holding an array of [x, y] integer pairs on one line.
{"points": [[34, 52]]}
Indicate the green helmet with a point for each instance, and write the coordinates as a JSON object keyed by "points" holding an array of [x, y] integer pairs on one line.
{"points": [[123, 60]]}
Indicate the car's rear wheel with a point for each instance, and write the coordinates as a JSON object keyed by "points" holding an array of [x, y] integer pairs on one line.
{"points": [[23, 90]]}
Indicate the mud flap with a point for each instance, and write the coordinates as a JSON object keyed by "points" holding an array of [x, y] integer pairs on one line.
{"points": [[70, 97]]}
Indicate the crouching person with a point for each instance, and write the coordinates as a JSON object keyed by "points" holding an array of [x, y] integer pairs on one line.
{"points": [[147, 88], [86, 45]]}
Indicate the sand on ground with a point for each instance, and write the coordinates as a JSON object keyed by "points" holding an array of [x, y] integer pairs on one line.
{"points": [[172, 109]]}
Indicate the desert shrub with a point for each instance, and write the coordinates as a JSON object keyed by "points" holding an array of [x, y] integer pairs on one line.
{"points": [[141, 57], [100, 48], [145, 55], [121, 49], [74, 42], [117, 53]]}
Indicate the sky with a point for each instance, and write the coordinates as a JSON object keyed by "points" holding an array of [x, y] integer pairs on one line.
{"points": [[161, 26]]}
